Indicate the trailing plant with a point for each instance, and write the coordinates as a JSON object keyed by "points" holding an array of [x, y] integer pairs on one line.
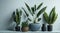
{"points": [[17, 16], [32, 11], [52, 16]]}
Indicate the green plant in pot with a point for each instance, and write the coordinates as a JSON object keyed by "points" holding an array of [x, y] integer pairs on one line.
{"points": [[17, 19], [50, 19], [25, 26], [35, 15]]}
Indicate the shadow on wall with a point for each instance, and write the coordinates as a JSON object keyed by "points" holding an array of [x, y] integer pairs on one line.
{"points": [[11, 24]]}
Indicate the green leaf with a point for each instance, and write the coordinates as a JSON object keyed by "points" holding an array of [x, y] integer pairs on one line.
{"points": [[55, 18], [25, 12], [28, 8], [46, 17], [41, 11], [29, 19], [39, 6], [32, 8], [17, 17], [24, 24], [54, 15], [20, 12], [51, 15]]}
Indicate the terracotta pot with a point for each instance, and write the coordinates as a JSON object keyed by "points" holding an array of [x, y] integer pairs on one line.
{"points": [[24, 29]]}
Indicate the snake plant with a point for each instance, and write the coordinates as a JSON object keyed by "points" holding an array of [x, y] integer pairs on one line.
{"points": [[52, 16], [32, 11], [17, 16]]}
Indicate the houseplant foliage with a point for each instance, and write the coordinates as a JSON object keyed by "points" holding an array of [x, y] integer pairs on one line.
{"points": [[17, 18], [51, 18], [34, 26]]}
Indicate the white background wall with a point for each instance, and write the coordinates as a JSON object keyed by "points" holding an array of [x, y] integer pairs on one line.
{"points": [[8, 6]]}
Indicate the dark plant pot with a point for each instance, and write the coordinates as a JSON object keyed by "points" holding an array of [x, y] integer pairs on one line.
{"points": [[49, 27], [43, 28], [17, 28], [25, 29], [34, 26]]}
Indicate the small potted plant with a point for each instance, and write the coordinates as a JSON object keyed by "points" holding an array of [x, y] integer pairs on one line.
{"points": [[17, 18], [50, 19], [25, 26], [43, 28], [34, 26]]}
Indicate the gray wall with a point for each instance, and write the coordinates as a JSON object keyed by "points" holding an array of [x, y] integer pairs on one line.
{"points": [[8, 6]]}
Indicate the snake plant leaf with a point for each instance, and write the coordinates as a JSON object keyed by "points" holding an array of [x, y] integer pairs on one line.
{"points": [[32, 8], [55, 17], [39, 19], [29, 19], [39, 6], [41, 11], [17, 17], [29, 9], [35, 7], [25, 12], [51, 15], [46, 17], [17, 20], [13, 15], [20, 12]]}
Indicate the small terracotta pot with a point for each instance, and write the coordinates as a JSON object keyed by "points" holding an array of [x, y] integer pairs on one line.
{"points": [[24, 29]]}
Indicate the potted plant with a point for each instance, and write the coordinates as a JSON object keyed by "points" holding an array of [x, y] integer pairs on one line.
{"points": [[50, 19], [17, 18], [43, 28], [25, 26], [34, 26]]}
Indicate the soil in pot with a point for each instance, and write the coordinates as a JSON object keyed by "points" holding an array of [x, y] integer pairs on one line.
{"points": [[43, 28], [25, 29], [17, 28], [34, 27], [49, 28]]}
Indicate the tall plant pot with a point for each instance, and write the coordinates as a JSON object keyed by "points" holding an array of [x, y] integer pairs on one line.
{"points": [[49, 27], [34, 26], [17, 28], [43, 28], [25, 29]]}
